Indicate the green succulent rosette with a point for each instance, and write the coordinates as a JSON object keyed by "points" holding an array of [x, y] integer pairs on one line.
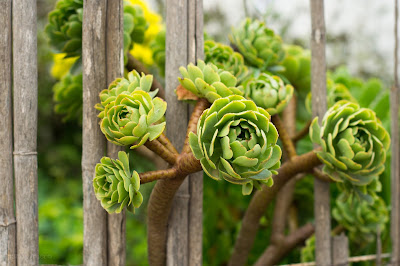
{"points": [[68, 96], [158, 48], [354, 145], [130, 114], [335, 93], [65, 27], [236, 141], [259, 45], [225, 58], [360, 218], [297, 64], [208, 81], [135, 25], [269, 92], [115, 186]]}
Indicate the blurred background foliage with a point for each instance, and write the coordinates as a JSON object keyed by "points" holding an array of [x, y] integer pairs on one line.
{"points": [[60, 140]]}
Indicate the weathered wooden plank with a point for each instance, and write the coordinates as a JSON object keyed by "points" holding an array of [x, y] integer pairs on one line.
{"points": [[318, 90], [177, 117], [395, 160], [93, 141], [7, 217], [196, 51], [25, 133], [115, 66], [340, 250]]}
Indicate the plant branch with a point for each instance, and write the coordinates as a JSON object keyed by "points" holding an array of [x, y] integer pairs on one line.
{"points": [[134, 64], [276, 252], [164, 140], [157, 175], [287, 143], [302, 133], [162, 151], [261, 200], [201, 105]]}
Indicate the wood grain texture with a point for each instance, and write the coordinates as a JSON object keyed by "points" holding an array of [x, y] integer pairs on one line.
{"points": [[318, 90], [395, 143], [93, 141], [340, 252], [116, 223], [7, 217], [25, 133]]}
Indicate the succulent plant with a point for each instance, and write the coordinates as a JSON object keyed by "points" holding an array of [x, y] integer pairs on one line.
{"points": [[259, 45], [158, 48], [68, 96], [65, 27], [225, 58], [360, 218], [208, 81], [269, 92], [130, 114], [297, 64], [236, 141], [354, 145], [135, 25], [115, 186]]}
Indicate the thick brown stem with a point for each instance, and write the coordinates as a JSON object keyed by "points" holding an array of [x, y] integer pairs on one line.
{"points": [[260, 201], [162, 151], [158, 174], [201, 105], [274, 253], [302, 133], [287, 143], [164, 140], [134, 64]]}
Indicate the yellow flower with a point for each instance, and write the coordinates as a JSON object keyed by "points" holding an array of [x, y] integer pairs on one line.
{"points": [[61, 65]]}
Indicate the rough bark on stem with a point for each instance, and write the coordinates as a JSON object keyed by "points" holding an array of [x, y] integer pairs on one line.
{"points": [[260, 201], [287, 143], [162, 151]]}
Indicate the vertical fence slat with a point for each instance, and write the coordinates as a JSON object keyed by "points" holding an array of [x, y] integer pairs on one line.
{"points": [[196, 51], [184, 44], [25, 129], [177, 117], [395, 160], [93, 141], [7, 218], [318, 89], [340, 252], [115, 66]]}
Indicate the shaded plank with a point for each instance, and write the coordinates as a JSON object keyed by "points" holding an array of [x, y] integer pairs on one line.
{"points": [[93, 141], [318, 90], [7, 217], [25, 122], [116, 223], [395, 160]]}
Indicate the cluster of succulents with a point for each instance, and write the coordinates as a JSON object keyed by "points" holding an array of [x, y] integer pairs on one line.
{"points": [[208, 81], [259, 45], [116, 186], [129, 114], [354, 145], [269, 92], [236, 141], [68, 96]]}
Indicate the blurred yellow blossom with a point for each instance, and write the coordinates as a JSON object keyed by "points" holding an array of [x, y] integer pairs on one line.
{"points": [[61, 65]]}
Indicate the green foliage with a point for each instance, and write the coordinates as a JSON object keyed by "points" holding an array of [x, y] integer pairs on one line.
{"points": [[130, 116], [237, 142], [135, 25], [68, 97], [115, 186], [354, 146], [158, 48], [361, 219], [208, 81], [308, 252], [269, 92], [259, 45], [225, 58]]}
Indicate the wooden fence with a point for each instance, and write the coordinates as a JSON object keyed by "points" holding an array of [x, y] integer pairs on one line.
{"points": [[104, 235]]}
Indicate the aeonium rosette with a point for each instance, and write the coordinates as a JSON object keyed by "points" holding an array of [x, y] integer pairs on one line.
{"points": [[115, 186], [236, 141], [130, 115], [354, 145]]}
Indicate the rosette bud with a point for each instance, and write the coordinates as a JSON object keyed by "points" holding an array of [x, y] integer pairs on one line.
{"points": [[236, 141]]}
